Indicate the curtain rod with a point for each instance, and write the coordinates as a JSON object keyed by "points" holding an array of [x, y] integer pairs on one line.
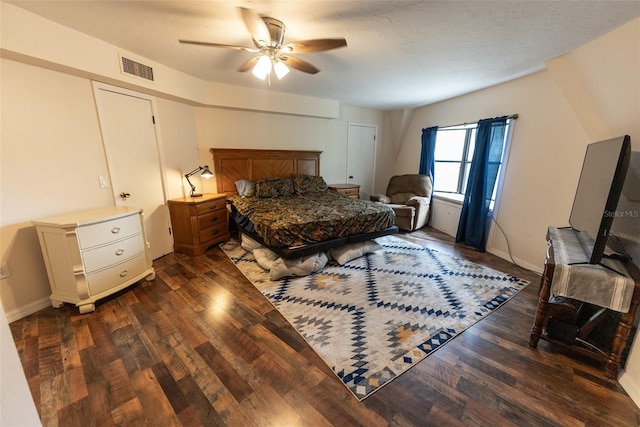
{"points": [[512, 117]]}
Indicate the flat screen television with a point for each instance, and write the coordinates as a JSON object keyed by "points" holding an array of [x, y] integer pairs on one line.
{"points": [[601, 180]]}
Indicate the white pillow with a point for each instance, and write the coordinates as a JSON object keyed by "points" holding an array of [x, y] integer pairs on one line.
{"points": [[265, 257], [248, 244], [350, 251], [297, 267], [244, 187]]}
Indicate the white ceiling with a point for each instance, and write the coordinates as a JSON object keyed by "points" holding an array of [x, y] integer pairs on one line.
{"points": [[400, 53]]}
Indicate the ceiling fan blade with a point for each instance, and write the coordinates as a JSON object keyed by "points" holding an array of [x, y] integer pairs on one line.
{"points": [[248, 65], [256, 26], [227, 46], [316, 45], [299, 64]]}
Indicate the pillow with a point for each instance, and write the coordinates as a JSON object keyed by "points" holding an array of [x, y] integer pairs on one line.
{"points": [[245, 188], [297, 267], [346, 253], [308, 184], [265, 257], [274, 187], [248, 244]]}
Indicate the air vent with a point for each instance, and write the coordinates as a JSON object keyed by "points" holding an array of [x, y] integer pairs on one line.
{"points": [[137, 69]]}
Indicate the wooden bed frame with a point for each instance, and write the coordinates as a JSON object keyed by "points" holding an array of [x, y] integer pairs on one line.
{"points": [[233, 164]]}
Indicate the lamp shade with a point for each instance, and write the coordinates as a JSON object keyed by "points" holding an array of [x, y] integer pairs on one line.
{"points": [[262, 68], [206, 173], [281, 69]]}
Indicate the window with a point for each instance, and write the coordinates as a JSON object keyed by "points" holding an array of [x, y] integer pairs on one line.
{"points": [[453, 156]]}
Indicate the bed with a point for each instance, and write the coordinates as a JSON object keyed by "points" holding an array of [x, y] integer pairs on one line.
{"points": [[300, 217]]}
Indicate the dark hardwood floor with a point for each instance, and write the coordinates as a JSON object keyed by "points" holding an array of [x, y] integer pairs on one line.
{"points": [[201, 346]]}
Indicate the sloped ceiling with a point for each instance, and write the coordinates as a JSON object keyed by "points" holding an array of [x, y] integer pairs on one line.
{"points": [[400, 54]]}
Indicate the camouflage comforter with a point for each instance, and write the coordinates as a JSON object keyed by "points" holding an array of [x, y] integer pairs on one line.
{"points": [[292, 221]]}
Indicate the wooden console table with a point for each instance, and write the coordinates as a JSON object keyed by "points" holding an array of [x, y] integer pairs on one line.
{"points": [[583, 283]]}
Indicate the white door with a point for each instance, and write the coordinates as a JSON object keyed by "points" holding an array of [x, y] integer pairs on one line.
{"points": [[131, 146], [361, 157]]}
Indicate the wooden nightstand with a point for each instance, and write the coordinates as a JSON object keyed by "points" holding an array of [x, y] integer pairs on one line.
{"points": [[351, 190], [198, 223]]}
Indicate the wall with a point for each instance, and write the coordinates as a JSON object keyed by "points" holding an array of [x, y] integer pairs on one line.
{"points": [[546, 151], [51, 159], [52, 155], [601, 82], [444, 215], [219, 128], [179, 141]]}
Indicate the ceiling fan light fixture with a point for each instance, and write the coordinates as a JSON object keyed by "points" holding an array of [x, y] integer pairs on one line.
{"points": [[281, 69], [262, 68], [267, 35]]}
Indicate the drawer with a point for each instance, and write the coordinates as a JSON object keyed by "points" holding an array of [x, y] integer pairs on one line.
{"points": [[104, 256], [210, 206], [103, 280], [353, 192], [108, 231], [211, 219], [212, 233]]}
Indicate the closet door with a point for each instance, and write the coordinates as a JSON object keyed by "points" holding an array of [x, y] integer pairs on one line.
{"points": [[361, 157], [132, 148]]}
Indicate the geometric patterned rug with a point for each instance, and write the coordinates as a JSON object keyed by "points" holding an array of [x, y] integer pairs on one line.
{"points": [[376, 316]]}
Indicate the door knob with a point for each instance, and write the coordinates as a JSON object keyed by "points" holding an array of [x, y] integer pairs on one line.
{"points": [[125, 195], [350, 176]]}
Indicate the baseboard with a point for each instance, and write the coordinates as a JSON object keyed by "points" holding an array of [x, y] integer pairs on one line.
{"points": [[632, 388], [535, 268], [28, 309]]}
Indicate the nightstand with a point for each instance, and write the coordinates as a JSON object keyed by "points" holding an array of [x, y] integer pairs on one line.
{"points": [[198, 223], [351, 190]]}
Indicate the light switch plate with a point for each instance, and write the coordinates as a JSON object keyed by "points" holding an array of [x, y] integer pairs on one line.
{"points": [[103, 182]]}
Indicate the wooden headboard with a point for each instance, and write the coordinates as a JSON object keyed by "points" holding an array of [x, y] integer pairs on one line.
{"points": [[233, 164]]}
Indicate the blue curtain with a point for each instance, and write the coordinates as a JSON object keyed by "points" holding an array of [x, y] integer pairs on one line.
{"points": [[427, 153], [472, 228]]}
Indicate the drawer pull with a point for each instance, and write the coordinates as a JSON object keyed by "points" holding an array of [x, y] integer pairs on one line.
{"points": [[119, 252], [115, 230], [123, 273], [214, 219], [212, 207], [214, 232]]}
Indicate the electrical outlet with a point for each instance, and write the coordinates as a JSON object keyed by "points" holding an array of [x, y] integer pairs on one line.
{"points": [[4, 271]]}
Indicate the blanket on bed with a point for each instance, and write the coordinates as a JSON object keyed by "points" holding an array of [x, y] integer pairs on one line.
{"points": [[296, 220]]}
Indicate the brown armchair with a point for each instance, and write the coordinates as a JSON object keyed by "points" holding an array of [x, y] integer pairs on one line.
{"points": [[410, 198]]}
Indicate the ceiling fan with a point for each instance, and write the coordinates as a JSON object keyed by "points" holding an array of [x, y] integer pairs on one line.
{"points": [[268, 37]]}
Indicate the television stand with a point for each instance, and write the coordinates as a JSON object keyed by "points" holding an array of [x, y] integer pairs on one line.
{"points": [[592, 310], [602, 265]]}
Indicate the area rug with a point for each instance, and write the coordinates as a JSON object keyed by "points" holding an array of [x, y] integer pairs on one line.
{"points": [[375, 317]]}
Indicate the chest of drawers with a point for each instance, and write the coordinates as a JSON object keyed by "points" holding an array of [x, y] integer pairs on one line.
{"points": [[92, 254], [198, 223], [351, 190]]}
